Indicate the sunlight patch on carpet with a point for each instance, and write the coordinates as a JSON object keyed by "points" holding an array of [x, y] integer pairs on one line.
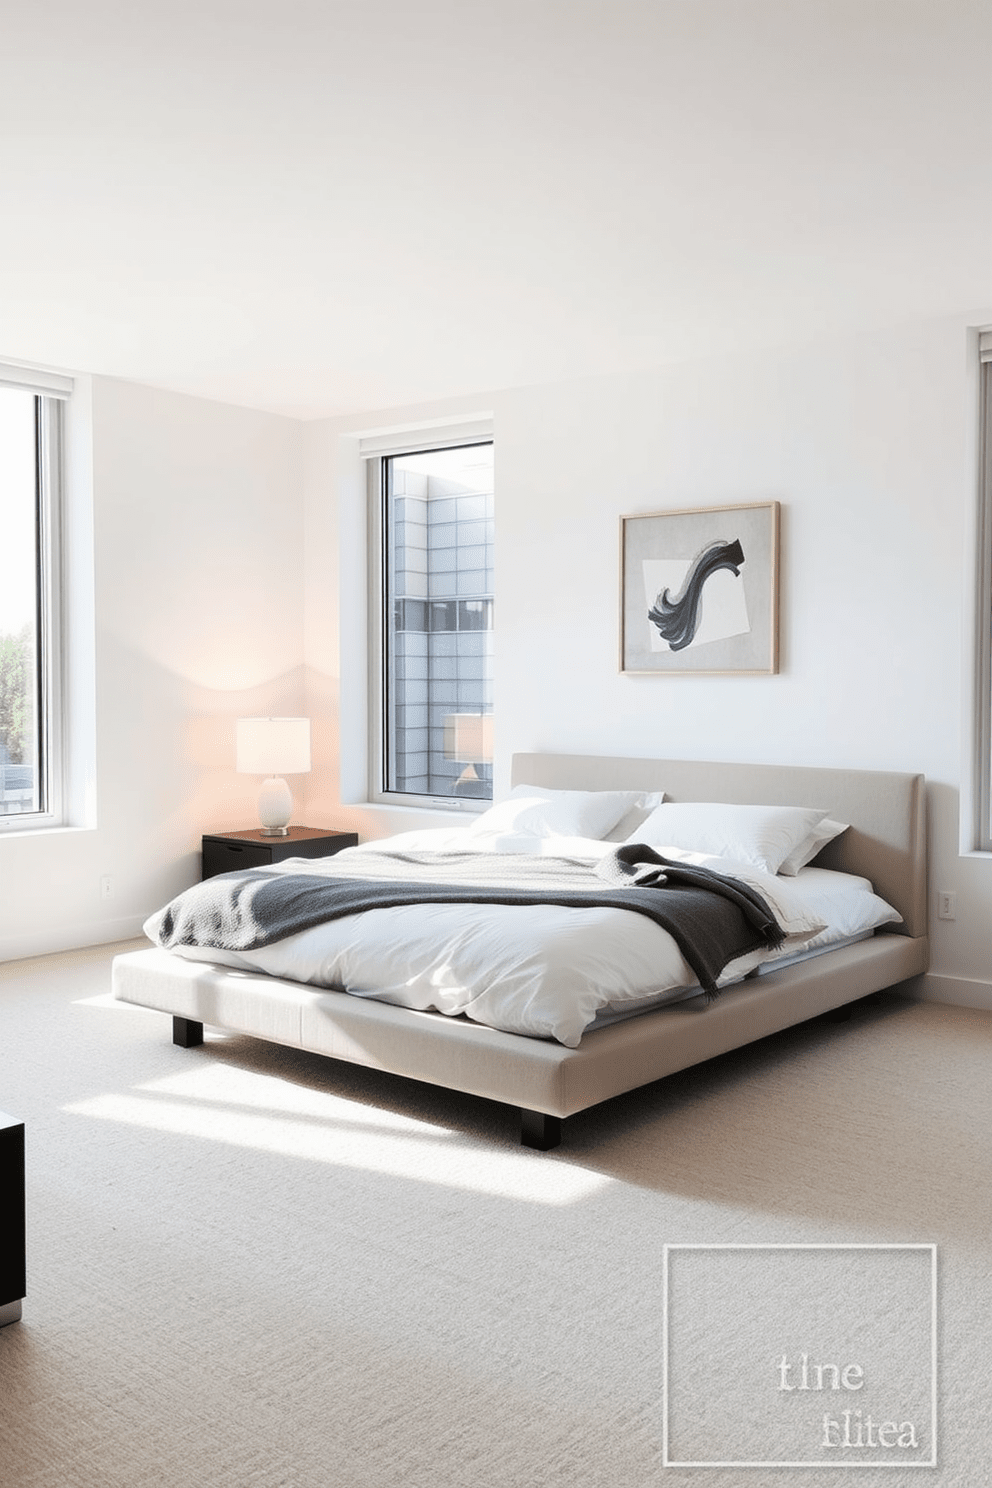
{"points": [[268, 1114]]}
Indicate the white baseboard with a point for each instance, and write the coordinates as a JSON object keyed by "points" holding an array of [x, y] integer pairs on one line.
{"points": [[956, 991], [70, 938]]}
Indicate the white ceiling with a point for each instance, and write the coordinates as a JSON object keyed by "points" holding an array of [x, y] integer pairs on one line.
{"points": [[325, 206]]}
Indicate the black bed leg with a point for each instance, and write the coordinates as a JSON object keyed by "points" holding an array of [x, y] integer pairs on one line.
{"points": [[186, 1033], [538, 1130]]}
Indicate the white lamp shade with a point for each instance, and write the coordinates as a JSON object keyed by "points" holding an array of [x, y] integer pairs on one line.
{"points": [[273, 746]]}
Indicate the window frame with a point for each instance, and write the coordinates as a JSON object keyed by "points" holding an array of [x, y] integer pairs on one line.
{"points": [[982, 778], [50, 392], [376, 451]]}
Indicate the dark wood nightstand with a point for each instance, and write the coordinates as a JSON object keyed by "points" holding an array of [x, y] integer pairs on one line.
{"points": [[226, 852], [12, 1280]]}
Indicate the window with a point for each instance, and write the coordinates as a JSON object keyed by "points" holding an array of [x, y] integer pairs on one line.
{"points": [[30, 672], [983, 793], [433, 620]]}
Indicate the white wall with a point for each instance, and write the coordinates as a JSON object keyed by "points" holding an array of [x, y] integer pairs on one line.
{"points": [[867, 444], [197, 551]]}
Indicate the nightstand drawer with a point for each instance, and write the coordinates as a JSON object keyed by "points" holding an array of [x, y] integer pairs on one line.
{"points": [[232, 857]]}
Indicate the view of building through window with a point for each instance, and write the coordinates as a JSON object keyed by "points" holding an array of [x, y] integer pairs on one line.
{"points": [[438, 524], [20, 775]]}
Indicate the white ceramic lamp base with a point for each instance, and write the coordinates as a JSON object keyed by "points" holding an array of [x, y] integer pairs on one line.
{"points": [[275, 807]]}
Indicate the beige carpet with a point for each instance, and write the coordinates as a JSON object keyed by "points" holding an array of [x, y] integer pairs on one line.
{"points": [[251, 1268]]}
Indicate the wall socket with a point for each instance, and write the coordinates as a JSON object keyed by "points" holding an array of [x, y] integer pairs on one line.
{"points": [[106, 887], [946, 905]]}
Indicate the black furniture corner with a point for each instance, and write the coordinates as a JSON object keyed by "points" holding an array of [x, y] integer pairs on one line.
{"points": [[12, 1264], [227, 852]]}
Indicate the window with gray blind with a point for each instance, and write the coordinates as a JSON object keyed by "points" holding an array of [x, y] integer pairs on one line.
{"points": [[433, 669], [30, 623], [983, 721]]}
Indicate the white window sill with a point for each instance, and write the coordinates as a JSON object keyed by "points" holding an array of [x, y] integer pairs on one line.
{"points": [[434, 805], [38, 829]]}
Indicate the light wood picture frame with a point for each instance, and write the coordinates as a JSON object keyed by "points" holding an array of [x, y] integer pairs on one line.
{"points": [[699, 591]]}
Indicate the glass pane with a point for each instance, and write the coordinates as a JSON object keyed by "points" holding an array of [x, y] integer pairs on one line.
{"points": [[20, 775], [438, 536], [414, 614], [444, 614], [475, 614]]}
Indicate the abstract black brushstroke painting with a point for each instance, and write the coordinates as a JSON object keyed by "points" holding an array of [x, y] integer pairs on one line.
{"points": [[699, 590], [677, 620]]}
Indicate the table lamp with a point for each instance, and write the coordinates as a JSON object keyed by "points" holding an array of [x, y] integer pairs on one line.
{"points": [[273, 747], [468, 739]]}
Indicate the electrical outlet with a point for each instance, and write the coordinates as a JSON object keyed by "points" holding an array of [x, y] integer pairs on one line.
{"points": [[946, 905], [106, 887]]}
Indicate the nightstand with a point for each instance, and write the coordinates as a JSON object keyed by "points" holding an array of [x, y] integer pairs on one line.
{"points": [[227, 852]]}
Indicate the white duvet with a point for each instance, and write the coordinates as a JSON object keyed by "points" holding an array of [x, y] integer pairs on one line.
{"points": [[540, 970]]}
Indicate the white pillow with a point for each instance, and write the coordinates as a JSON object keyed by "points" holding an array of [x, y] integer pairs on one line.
{"points": [[824, 832], [761, 835], [635, 815], [846, 904], [538, 812]]}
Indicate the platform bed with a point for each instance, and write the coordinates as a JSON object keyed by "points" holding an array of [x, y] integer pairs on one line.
{"points": [[548, 1082]]}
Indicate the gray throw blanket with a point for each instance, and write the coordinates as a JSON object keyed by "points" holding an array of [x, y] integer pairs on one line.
{"points": [[712, 919]]}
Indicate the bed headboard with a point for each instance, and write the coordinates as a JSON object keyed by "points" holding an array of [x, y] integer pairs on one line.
{"points": [[887, 841]]}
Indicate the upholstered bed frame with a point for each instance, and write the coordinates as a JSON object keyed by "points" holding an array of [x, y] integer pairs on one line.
{"points": [[886, 843]]}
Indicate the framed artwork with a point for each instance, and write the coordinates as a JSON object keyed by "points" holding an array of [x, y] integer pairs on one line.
{"points": [[699, 590]]}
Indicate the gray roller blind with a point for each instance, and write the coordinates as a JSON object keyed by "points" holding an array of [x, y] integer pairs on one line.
{"points": [[444, 435], [35, 380]]}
